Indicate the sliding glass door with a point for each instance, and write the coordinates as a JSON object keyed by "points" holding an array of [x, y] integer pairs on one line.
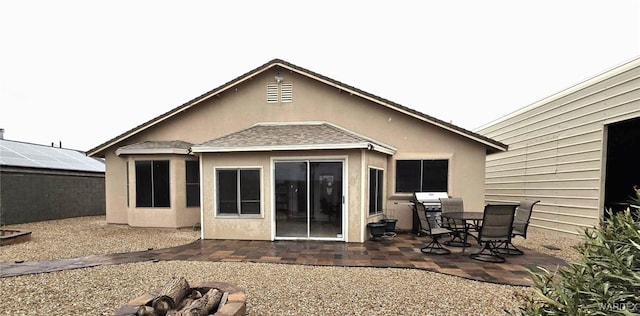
{"points": [[309, 199]]}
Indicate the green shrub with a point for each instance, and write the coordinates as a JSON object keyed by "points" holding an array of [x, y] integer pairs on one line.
{"points": [[605, 282]]}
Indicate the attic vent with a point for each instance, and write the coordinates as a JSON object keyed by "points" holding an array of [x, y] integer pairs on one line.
{"points": [[282, 92], [286, 92], [272, 92]]}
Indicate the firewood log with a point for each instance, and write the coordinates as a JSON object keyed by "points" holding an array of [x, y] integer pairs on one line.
{"points": [[203, 305], [195, 294], [144, 311], [170, 296]]}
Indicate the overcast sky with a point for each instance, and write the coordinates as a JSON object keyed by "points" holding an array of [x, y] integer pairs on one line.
{"points": [[83, 72]]}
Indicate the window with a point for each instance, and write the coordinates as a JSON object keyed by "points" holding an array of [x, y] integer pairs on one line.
{"points": [[376, 186], [152, 183], [422, 176], [192, 180], [238, 191]]}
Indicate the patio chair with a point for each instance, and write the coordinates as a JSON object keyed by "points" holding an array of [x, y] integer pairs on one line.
{"points": [[520, 225], [451, 205], [497, 226], [428, 225]]}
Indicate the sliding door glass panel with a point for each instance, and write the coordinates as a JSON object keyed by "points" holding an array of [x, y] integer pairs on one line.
{"points": [[325, 216], [309, 199], [291, 199]]}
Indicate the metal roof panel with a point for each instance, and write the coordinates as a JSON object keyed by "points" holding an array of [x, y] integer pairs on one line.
{"points": [[19, 154]]}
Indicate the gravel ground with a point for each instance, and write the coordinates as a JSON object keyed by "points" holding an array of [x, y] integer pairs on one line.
{"points": [[84, 236], [309, 290], [537, 239]]}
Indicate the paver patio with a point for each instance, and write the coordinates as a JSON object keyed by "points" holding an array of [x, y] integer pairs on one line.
{"points": [[401, 251]]}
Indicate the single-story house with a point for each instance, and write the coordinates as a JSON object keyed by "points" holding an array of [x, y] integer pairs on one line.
{"points": [[282, 152], [39, 183], [575, 151]]}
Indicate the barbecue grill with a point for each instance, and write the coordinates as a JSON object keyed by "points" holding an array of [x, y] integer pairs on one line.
{"points": [[431, 202]]}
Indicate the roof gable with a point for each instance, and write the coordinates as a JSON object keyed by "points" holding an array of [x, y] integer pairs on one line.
{"points": [[491, 145]]}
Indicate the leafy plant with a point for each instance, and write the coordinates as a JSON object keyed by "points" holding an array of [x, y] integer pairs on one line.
{"points": [[606, 281]]}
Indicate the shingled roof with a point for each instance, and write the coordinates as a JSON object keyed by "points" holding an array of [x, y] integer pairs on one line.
{"points": [[491, 145], [292, 136]]}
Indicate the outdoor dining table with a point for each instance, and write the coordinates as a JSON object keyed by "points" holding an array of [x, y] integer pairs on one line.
{"points": [[469, 218]]}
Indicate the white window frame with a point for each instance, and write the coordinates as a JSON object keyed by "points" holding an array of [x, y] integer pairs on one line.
{"points": [[380, 210], [239, 205]]}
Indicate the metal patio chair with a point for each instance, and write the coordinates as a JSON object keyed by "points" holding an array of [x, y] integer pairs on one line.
{"points": [[429, 226], [457, 227], [521, 221], [497, 226]]}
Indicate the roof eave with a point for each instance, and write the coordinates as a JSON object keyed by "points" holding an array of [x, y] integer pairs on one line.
{"points": [[494, 145], [222, 149], [494, 150], [152, 151]]}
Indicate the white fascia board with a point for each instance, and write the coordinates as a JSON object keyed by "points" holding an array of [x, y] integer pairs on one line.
{"points": [[366, 145], [151, 151], [382, 147], [384, 150]]}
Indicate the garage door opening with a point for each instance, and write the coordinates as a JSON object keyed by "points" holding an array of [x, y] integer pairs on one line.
{"points": [[622, 166]]}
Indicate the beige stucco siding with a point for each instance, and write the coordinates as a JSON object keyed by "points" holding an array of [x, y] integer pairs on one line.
{"points": [[235, 227], [466, 163], [122, 206], [557, 150], [178, 214], [116, 189], [244, 104], [261, 226], [381, 162]]}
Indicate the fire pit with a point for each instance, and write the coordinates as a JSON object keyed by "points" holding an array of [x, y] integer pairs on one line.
{"points": [[14, 236], [178, 297]]}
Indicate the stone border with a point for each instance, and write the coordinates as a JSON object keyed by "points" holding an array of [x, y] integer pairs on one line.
{"points": [[16, 236], [235, 304]]}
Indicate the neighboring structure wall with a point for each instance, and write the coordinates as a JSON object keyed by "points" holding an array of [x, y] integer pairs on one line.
{"points": [[28, 195], [556, 150]]}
